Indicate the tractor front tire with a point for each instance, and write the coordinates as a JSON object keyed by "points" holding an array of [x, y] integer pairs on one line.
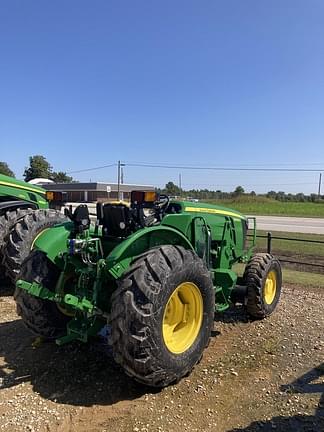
{"points": [[22, 237], [42, 317], [263, 279], [162, 315]]}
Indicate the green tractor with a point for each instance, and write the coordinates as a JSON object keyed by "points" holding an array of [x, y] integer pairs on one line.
{"points": [[24, 213], [154, 273]]}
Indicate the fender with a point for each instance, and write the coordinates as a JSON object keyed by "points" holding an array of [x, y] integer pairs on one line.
{"points": [[15, 204], [53, 241], [141, 241]]}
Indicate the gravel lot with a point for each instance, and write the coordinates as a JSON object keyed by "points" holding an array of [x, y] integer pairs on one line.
{"points": [[255, 376]]}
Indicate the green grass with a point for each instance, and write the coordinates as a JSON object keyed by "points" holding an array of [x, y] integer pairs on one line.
{"points": [[300, 249], [257, 205], [305, 279]]}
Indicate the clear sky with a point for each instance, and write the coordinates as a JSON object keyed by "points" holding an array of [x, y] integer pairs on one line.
{"points": [[209, 83]]}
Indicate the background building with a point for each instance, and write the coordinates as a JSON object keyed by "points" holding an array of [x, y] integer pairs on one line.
{"points": [[93, 192]]}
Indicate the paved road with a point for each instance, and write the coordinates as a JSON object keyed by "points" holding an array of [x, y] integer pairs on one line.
{"points": [[291, 224]]}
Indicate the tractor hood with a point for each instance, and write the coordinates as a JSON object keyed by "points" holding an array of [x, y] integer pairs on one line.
{"points": [[205, 208], [19, 184]]}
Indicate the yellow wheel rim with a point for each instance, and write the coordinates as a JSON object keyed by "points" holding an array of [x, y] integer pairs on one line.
{"points": [[270, 287], [182, 318]]}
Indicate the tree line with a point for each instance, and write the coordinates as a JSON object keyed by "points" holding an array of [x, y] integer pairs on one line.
{"points": [[203, 194], [38, 167]]}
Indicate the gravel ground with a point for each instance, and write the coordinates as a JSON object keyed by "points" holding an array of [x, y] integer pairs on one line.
{"points": [[255, 376]]}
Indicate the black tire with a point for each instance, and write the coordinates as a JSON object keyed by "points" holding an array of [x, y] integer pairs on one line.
{"points": [[138, 307], [261, 268], [22, 236], [40, 316], [7, 221]]}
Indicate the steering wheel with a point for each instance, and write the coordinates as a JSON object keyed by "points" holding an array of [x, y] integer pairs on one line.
{"points": [[164, 202]]}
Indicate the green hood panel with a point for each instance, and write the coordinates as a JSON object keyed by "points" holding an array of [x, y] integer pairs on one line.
{"points": [[204, 208], [21, 190]]}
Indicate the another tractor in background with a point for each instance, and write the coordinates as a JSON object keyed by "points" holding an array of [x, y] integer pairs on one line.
{"points": [[24, 213]]}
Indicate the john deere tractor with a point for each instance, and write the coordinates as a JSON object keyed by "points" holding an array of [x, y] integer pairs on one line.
{"points": [[24, 213], [154, 273]]}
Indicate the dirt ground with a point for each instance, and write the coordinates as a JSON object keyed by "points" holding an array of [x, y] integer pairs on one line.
{"points": [[255, 376]]}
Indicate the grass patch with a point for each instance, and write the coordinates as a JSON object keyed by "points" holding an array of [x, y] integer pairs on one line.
{"points": [[305, 279], [272, 345], [265, 206], [293, 248]]}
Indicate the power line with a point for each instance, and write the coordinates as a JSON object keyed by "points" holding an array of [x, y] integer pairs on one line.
{"points": [[206, 167], [201, 168], [91, 169], [185, 167], [250, 184], [234, 165]]}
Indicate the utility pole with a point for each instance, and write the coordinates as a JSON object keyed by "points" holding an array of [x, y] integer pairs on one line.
{"points": [[319, 186], [180, 183], [119, 176]]}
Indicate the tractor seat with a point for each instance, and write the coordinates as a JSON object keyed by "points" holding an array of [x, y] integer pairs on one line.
{"points": [[115, 219]]}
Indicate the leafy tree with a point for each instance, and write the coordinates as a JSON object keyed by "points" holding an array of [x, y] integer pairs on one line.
{"points": [[61, 177], [4, 169], [172, 189], [38, 167], [239, 191], [281, 196], [272, 194], [300, 197]]}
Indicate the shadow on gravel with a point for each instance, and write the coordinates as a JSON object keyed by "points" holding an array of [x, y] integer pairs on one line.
{"points": [[298, 423], [234, 315], [76, 374], [6, 287]]}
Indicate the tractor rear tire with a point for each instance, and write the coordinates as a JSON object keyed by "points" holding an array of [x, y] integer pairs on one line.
{"points": [[40, 316], [23, 235], [263, 279], [162, 315], [7, 221]]}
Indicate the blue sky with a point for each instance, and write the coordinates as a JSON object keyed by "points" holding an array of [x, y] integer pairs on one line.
{"points": [[209, 83]]}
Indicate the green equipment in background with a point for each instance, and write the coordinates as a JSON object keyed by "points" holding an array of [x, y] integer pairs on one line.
{"points": [[25, 211]]}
